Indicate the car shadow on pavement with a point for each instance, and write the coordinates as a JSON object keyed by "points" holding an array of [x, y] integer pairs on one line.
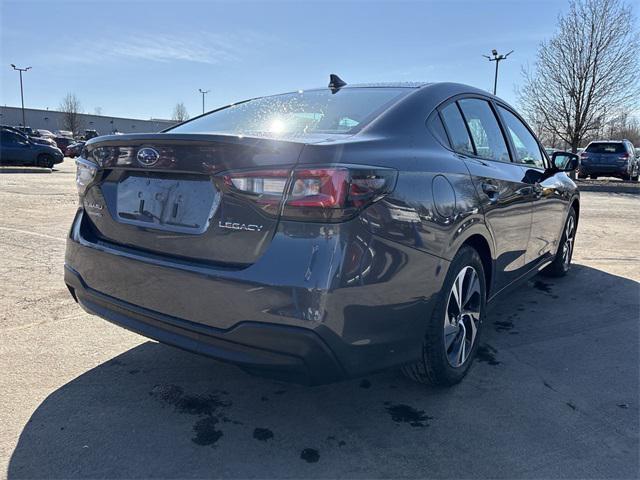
{"points": [[551, 394]]}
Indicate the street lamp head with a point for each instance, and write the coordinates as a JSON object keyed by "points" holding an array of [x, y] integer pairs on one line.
{"points": [[494, 52], [13, 65]]}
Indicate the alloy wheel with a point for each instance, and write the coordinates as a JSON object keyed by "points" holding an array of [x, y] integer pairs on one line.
{"points": [[462, 316], [567, 247]]}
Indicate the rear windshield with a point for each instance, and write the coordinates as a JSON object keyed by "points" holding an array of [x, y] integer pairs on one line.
{"points": [[315, 111], [603, 147]]}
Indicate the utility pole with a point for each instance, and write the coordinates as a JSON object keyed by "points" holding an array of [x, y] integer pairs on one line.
{"points": [[496, 58], [20, 70], [203, 92]]}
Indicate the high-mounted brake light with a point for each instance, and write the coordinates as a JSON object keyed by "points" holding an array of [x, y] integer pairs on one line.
{"points": [[332, 194]]}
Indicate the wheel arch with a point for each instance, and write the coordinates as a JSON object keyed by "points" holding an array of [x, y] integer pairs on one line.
{"points": [[575, 204], [480, 244]]}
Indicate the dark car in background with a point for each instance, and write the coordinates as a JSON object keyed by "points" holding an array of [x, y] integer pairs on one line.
{"points": [[63, 142], [35, 135], [89, 134], [322, 234], [73, 149], [19, 149], [610, 159]]}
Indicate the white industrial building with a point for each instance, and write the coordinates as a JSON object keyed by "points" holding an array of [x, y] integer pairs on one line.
{"points": [[54, 120]]}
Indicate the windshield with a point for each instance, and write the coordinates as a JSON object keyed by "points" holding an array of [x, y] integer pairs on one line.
{"points": [[606, 148], [315, 111]]}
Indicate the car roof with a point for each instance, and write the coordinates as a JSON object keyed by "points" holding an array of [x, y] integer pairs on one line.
{"points": [[388, 85]]}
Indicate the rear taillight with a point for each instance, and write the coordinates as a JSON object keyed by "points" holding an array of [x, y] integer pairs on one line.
{"points": [[584, 155], [624, 156], [85, 174], [331, 194]]}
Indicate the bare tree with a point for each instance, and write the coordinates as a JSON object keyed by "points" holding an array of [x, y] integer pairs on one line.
{"points": [[587, 71], [180, 113], [71, 108]]}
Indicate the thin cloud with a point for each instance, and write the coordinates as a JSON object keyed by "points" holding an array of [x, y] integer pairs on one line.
{"points": [[204, 48]]}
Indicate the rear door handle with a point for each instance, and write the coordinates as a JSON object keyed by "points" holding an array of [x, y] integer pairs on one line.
{"points": [[537, 190], [489, 188], [491, 191]]}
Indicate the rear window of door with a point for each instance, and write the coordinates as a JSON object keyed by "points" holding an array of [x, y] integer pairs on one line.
{"points": [[456, 129], [527, 148], [485, 130]]}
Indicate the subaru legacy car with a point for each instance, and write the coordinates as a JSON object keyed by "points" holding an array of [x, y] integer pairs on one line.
{"points": [[610, 159], [322, 234]]}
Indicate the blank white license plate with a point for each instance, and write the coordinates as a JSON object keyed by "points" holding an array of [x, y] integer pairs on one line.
{"points": [[167, 204]]}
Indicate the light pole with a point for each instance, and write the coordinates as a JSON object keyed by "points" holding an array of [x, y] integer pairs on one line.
{"points": [[496, 58], [20, 70], [203, 92]]}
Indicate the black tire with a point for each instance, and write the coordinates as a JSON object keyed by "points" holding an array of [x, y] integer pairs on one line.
{"points": [[561, 265], [435, 367], [45, 160], [582, 176], [594, 177], [634, 178]]}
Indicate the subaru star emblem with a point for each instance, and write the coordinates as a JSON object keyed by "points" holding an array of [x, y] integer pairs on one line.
{"points": [[148, 156]]}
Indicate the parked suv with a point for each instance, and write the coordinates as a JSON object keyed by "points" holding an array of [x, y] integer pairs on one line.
{"points": [[322, 234], [18, 149], [609, 159]]}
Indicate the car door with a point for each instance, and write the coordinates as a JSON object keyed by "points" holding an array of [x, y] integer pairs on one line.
{"points": [[475, 134], [548, 192], [15, 148]]}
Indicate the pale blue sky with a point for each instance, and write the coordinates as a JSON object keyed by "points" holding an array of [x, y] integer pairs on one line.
{"points": [[138, 58]]}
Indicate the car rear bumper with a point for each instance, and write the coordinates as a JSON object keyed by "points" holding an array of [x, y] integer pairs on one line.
{"points": [[279, 351], [293, 315], [615, 170]]}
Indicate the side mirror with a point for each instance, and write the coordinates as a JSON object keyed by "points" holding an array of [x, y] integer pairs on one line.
{"points": [[565, 161]]}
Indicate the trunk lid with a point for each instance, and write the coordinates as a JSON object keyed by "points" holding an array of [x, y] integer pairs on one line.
{"points": [[160, 193]]}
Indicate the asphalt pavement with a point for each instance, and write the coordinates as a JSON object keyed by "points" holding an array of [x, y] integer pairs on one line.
{"points": [[553, 394]]}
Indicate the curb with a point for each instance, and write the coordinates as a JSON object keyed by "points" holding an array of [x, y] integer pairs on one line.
{"points": [[631, 189], [25, 170]]}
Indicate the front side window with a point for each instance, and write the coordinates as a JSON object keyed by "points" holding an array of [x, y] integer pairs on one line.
{"points": [[485, 130], [11, 138], [527, 148], [314, 111], [458, 134]]}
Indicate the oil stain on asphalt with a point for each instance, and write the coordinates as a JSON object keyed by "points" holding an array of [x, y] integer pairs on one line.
{"points": [[310, 455], [503, 325], [262, 434], [199, 404], [487, 354], [206, 433], [544, 287], [401, 413], [365, 383], [208, 406]]}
